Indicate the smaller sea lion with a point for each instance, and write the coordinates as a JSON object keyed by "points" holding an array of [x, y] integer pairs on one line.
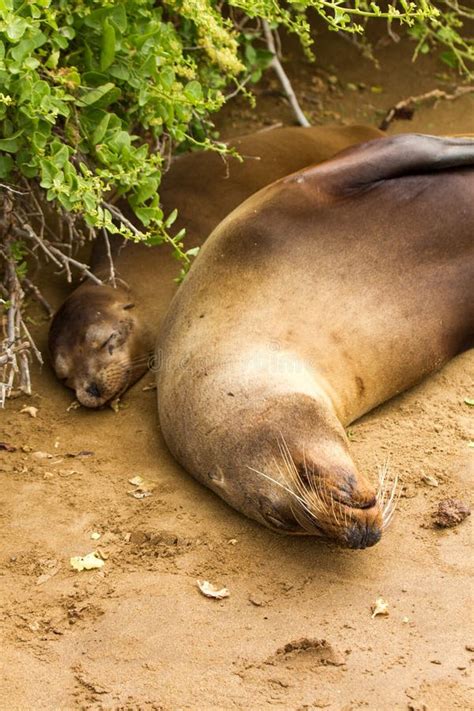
{"points": [[317, 299], [101, 338]]}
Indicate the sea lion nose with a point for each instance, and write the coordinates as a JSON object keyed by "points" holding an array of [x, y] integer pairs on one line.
{"points": [[93, 390], [363, 536]]}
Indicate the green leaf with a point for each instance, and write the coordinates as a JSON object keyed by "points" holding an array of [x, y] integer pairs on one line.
{"points": [[95, 95], [6, 165], [107, 52], [469, 401], [167, 78], [171, 219], [11, 144], [27, 46], [15, 27], [145, 214], [146, 191], [61, 156], [52, 61], [101, 129], [193, 91], [449, 58]]}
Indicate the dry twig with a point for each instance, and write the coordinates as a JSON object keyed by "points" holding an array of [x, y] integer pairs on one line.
{"points": [[283, 77], [406, 108]]}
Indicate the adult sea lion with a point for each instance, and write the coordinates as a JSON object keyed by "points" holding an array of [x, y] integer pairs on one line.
{"points": [[101, 338], [317, 299]]}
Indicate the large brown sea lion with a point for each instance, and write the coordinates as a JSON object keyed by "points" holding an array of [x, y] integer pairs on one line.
{"points": [[101, 337], [320, 297]]}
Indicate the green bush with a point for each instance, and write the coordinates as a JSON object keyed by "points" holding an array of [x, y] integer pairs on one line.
{"points": [[94, 96]]}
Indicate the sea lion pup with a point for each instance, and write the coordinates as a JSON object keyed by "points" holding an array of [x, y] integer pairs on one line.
{"points": [[317, 299], [101, 338]]}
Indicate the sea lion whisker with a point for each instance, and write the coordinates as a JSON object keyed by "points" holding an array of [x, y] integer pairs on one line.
{"points": [[278, 483], [313, 501], [300, 492], [313, 497], [392, 494], [389, 512], [382, 474]]}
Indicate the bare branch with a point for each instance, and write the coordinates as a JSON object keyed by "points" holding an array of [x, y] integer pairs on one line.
{"points": [[5, 357], [285, 82], [33, 289], [109, 257], [118, 214], [59, 258], [406, 108]]}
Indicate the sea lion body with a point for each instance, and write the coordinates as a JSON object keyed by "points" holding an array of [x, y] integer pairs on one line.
{"points": [[320, 297], [102, 337]]}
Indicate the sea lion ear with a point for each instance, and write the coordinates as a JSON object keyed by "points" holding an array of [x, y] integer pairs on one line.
{"points": [[127, 307]]}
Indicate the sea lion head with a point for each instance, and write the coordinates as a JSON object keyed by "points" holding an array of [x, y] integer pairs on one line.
{"points": [[296, 476], [97, 344]]}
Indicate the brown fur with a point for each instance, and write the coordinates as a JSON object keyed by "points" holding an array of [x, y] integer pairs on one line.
{"points": [[317, 299]]}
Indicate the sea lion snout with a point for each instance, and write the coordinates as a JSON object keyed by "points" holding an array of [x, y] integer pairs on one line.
{"points": [[349, 511]]}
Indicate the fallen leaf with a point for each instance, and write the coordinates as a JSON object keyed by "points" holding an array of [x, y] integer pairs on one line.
{"points": [[82, 453], [7, 447], [115, 405], [469, 401], [75, 405], [149, 387], [210, 590], [380, 607], [144, 487], [91, 561], [95, 536], [42, 455], [29, 410], [139, 494], [430, 480]]}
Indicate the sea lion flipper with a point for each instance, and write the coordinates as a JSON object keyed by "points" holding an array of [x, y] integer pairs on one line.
{"points": [[393, 157]]}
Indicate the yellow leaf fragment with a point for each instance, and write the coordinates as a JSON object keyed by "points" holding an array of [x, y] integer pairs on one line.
{"points": [[29, 410], [91, 561], [380, 607], [143, 487], [430, 480], [210, 590], [75, 405]]}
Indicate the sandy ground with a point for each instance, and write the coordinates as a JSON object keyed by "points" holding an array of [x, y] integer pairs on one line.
{"points": [[296, 632]]}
